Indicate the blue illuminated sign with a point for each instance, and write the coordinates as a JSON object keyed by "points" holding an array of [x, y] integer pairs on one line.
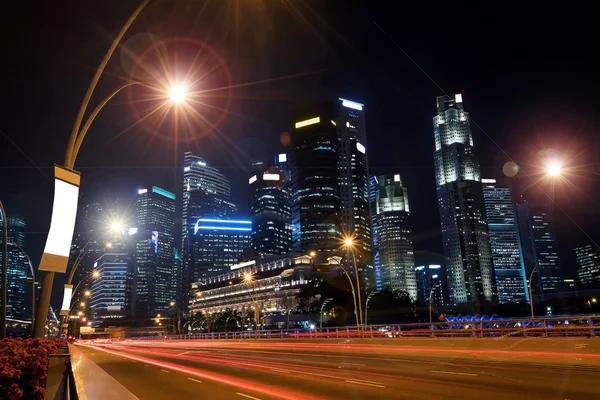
{"points": [[163, 192], [222, 224]]}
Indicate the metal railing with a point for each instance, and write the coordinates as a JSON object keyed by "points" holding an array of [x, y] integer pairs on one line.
{"points": [[560, 326]]}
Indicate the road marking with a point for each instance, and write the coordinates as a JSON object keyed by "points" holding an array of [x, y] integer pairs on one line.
{"points": [[362, 365], [146, 365], [366, 384], [246, 396], [164, 370], [453, 373], [195, 380], [280, 370]]}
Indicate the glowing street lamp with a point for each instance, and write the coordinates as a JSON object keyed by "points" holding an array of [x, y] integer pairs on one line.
{"points": [[247, 277], [348, 242], [553, 168], [66, 190], [116, 226], [95, 274], [87, 293], [177, 94], [313, 253], [80, 313]]}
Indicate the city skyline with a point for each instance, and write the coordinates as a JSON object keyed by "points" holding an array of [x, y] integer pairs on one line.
{"points": [[140, 164]]}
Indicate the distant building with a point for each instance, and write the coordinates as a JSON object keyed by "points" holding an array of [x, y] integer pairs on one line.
{"points": [[588, 265], [216, 245], [112, 289], [330, 181], [428, 277], [270, 212], [17, 270], [461, 205], [206, 192], [392, 244], [275, 282], [153, 251], [504, 242], [540, 249]]}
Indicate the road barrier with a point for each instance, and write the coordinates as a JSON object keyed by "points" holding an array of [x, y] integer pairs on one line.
{"points": [[476, 327]]}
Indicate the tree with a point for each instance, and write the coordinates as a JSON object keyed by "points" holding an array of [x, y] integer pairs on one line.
{"points": [[391, 306]]}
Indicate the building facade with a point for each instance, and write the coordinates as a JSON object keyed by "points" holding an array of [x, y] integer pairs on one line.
{"points": [[270, 212], [206, 192], [267, 285], [216, 245], [112, 289], [18, 292], [461, 205], [504, 242], [392, 244], [430, 277], [588, 266], [152, 247], [330, 181], [540, 249]]}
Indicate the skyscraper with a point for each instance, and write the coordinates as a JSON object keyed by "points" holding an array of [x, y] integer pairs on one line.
{"points": [[216, 245], [540, 250], [270, 212], [393, 249], [155, 269], [17, 269], [588, 265], [504, 242], [460, 201], [198, 175], [330, 185], [111, 290], [206, 192]]}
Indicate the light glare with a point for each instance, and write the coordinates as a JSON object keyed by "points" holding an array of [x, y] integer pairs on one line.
{"points": [[177, 94]]}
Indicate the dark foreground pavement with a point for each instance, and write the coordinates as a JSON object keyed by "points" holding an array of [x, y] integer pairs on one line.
{"points": [[419, 369]]}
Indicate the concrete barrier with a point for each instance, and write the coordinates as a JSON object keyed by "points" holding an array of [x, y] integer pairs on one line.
{"points": [[92, 382]]}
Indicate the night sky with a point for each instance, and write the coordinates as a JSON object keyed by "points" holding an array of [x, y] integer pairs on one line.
{"points": [[529, 78]]}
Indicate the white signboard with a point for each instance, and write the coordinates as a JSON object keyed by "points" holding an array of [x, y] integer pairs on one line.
{"points": [[66, 303], [62, 224]]}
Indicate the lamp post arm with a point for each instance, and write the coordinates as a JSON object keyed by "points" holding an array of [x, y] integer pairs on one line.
{"points": [[70, 155]]}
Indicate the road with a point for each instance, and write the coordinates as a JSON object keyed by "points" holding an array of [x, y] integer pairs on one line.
{"points": [[353, 369]]}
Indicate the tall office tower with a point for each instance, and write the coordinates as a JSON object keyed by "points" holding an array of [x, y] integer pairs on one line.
{"points": [[270, 212], [330, 184], [206, 192], [540, 249], [392, 244], [460, 201], [154, 258], [217, 244], [504, 242], [17, 269], [112, 289], [430, 277], [198, 175], [588, 265]]}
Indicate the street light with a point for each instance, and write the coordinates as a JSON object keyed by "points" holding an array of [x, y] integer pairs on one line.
{"points": [[367, 306], [430, 308], [71, 185], [87, 293], [82, 304], [349, 244], [553, 167], [4, 272], [321, 312], [530, 295], [95, 274], [177, 94]]}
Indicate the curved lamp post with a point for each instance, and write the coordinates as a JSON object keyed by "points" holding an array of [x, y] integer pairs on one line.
{"points": [[77, 135], [321, 312], [4, 276]]}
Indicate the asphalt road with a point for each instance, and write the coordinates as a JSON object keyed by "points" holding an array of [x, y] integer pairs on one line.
{"points": [[351, 369]]}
